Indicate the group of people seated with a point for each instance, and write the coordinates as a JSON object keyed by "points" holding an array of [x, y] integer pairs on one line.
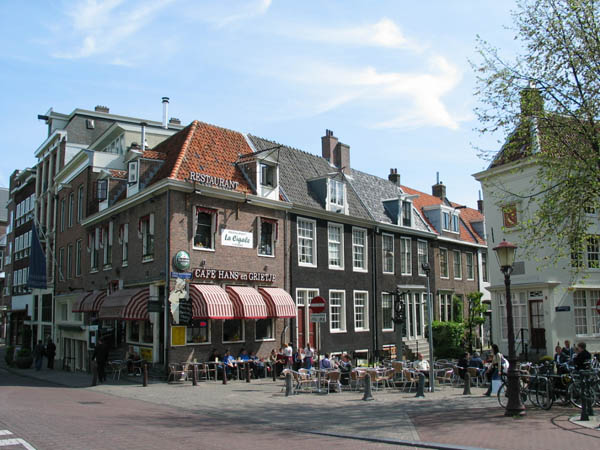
{"points": [[256, 365], [576, 357]]}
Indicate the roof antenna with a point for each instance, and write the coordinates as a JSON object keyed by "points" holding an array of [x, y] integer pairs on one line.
{"points": [[437, 178]]}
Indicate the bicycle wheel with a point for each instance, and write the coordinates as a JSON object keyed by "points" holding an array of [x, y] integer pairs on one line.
{"points": [[544, 397], [503, 395]]}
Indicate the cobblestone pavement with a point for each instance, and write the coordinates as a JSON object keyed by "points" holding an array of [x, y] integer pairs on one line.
{"points": [[445, 416]]}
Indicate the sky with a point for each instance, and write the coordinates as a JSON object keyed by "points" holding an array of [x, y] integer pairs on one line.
{"points": [[392, 79]]}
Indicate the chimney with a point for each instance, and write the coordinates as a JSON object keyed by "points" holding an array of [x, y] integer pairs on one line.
{"points": [[328, 143], [480, 203], [174, 121], [143, 124], [102, 109], [165, 102], [342, 157], [532, 103], [438, 189], [394, 177]]}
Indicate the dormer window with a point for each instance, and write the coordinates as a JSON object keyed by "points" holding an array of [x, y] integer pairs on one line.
{"points": [[406, 213], [455, 223], [336, 198], [450, 221], [267, 175], [446, 220]]}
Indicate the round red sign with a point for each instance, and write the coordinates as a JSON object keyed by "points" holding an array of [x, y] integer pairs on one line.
{"points": [[317, 304]]}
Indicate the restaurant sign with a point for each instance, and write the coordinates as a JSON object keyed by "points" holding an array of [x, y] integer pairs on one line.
{"points": [[209, 180], [234, 238], [233, 275]]}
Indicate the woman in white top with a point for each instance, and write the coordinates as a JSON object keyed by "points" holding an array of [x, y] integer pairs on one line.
{"points": [[308, 356]]}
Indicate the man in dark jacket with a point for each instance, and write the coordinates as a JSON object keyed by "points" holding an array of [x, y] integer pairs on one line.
{"points": [[50, 353], [582, 357], [101, 356]]}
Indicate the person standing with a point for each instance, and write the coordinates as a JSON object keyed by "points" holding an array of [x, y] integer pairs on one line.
{"points": [[50, 353], [568, 352], [38, 355], [495, 367], [101, 356], [288, 353], [582, 357], [308, 356]]}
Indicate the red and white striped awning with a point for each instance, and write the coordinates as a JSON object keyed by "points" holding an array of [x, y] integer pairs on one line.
{"points": [[126, 304], [247, 303], [210, 302], [92, 302], [79, 302], [279, 302]]}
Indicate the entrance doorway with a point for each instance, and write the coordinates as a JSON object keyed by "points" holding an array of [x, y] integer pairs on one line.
{"points": [[536, 325]]}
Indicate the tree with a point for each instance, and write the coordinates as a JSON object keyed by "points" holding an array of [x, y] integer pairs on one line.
{"points": [[475, 316], [547, 101]]}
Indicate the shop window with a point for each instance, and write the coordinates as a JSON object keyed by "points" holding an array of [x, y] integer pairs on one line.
{"points": [[198, 332], [233, 330], [134, 331], [47, 308], [265, 329], [205, 225], [148, 336], [267, 237]]}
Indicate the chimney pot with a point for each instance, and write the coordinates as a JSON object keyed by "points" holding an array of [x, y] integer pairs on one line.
{"points": [[480, 205], [394, 177], [439, 190], [100, 108], [165, 102], [175, 121]]}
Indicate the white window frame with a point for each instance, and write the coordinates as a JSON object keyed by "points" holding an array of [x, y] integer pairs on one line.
{"points": [[209, 341], [446, 221], [342, 311], [470, 266], [272, 170], [195, 212], [336, 195], [520, 313], [125, 246], [147, 230], [406, 256], [273, 237], [357, 310], [312, 225], [585, 318], [457, 264], [384, 297], [340, 244], [447, 274], [356, 247], [80, 203], [386, 258], [455, 223], [271, 339], [422, 256]]}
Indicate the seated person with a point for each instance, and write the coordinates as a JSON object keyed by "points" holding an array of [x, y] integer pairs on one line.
{"points": [[297, 358], [325, 362], [214, 355], [582, 357], [131, 358], [243, 356], [281, 362], [422, 365], [462, 364], [477, 362], [228, 363], [258, 365], [345, 369]]}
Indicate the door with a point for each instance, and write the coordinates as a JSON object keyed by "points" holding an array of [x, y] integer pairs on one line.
{"points": [[536, 317]]}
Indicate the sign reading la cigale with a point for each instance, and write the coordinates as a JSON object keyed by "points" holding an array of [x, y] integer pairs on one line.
{"points": [[209, 180], [234, 238]]}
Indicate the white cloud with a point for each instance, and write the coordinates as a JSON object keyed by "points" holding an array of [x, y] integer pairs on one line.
{"points": [[247, 11]]}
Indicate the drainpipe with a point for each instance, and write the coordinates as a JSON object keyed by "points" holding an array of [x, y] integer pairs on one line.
{"points": [[374, 296], [166, 339], [287, 268]]}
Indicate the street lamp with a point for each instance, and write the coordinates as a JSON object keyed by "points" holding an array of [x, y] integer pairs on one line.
{"points": [[505, 252], [427, 269], [399, 318]]}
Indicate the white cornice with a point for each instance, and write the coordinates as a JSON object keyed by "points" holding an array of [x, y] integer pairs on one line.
{"points": [[49, 139], [458, 241]]}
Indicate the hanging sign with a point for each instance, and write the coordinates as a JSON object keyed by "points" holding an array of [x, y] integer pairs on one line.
{"points": [[234, 238], [181, 261]]}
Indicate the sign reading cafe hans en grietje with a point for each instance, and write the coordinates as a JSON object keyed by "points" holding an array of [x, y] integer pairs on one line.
{"points": [[234, 275], [209, 180]]}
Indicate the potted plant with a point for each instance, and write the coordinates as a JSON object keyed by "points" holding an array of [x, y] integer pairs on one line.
{"points": [[24, 358]]}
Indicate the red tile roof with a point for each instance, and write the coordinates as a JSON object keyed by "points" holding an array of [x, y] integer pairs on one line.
{"points": [[467, 215], [121, 174], [152, 154], [203, 148]]}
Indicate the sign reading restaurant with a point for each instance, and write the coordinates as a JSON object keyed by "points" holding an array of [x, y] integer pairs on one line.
{"points": [[209, 180], [234, 275]]}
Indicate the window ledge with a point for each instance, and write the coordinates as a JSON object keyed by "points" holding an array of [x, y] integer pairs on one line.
{"points": [[94, 271], [335, 268], [307, 265], [147, 259], [198, 343], [234, 342], [337, 331], [354, 269], [124, 264], [266, 256], [361, 330], [203, 249], [107, 267], [387, 330], [265, 340], [389, 273]]}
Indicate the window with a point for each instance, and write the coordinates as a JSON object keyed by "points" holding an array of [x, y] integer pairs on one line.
{"points": [[124, 244], [455, 223], [337, 311], [406, 213], [198, 332], [593, 252], [107, 244], [422, 255], [267, 175], [457, 265], [204, 228], [484, 268], [134, 330], [80, 204], [61, 264], [47, 308], [405, 256], [586, 318], [443, 263], [335, 239], [445, 220], [233, 330], [148, 330], [470, 267], [387, 309], [359, 249], [387, 248], [71, 208], [445, 307], [307, 248], [361, 311], [265, 330], [147, 230], [78, 246], [69, 273], [266, 246], [94, 242], [519, 307], [304, 296], [336, 194], [63, 203]]}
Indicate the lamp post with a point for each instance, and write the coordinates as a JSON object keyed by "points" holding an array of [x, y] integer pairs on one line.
{"points": [[505, 252], [427, 269], [399, 318]]}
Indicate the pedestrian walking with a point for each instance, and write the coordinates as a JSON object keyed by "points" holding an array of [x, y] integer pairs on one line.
{"points": [[100, 355], [38, 355], [50, 353]]}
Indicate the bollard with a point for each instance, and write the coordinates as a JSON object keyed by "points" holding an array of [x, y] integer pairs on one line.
{"points": [[467, 389], [247, 373], [195, 375], [224, 374], [273, 366], [145, 377], [289, 387], [367, 381], [421, 385], [94, 373], [586, 396]]}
